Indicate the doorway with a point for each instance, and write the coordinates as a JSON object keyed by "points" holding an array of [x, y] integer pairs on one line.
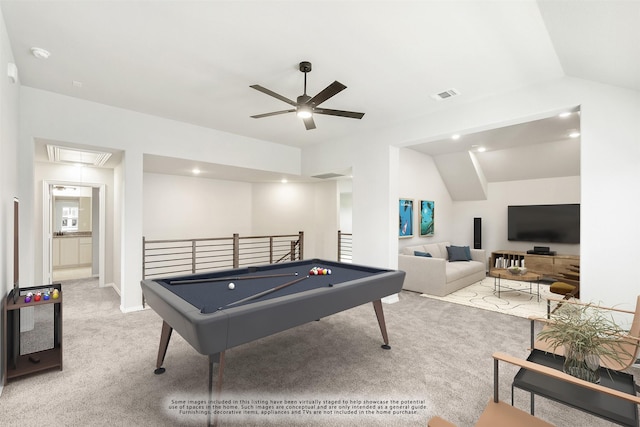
{"points": [[73, 225], [72, 232]]}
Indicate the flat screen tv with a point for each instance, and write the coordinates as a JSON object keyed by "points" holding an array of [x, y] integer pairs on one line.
{"points": [[544, 223]]}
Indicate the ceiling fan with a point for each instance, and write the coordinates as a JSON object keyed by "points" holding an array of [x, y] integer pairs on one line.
{"points": [[305, 105]]}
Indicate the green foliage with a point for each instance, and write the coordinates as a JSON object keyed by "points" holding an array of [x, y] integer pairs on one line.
{"points": [[587, 329]]}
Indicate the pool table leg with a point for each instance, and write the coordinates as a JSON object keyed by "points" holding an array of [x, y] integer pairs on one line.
{"points": [[165, 336], [377, 306], [213, 358]]}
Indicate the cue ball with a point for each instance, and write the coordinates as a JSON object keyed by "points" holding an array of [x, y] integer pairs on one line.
{"points": [[231, 286]]}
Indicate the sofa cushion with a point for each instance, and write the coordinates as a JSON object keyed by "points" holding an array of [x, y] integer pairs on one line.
{"points": [[419, 253], [456, 271], [460, 270], [434, 250], [437, 250], [407, 250], [459, 253]]}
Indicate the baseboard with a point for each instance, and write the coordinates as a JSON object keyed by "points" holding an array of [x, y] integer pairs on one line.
{"points": [[132, 309], [112, 285], [391, 299]]}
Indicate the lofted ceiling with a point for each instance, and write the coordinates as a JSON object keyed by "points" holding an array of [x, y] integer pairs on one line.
{"points": [[194, 62]]}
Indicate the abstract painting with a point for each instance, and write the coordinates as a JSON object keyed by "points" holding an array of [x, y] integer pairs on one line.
{"points": [[406, 218], [426, 218]]}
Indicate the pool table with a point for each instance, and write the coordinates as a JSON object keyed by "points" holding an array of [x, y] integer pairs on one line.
{"points": [[265, 300]]}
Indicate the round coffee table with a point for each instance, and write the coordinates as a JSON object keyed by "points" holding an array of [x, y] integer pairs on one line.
{"points": [[503, 273]]}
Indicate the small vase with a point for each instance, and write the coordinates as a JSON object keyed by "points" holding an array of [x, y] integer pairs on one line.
{"points": [[581, 365]]}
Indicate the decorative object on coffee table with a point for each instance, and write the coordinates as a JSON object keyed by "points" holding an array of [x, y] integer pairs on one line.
{"points": [[517, 270], [587, 334]]}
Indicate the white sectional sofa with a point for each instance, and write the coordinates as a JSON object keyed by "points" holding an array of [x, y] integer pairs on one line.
{"points": [[438, 275]]}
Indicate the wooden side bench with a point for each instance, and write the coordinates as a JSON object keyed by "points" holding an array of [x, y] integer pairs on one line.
{"points": [[498, 414]]}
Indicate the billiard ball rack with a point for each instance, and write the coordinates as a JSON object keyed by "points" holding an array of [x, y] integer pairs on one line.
{"points": [[16, 364]]}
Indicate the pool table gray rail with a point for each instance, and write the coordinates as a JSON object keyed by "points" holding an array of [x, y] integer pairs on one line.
{"points": [[211, 333]]}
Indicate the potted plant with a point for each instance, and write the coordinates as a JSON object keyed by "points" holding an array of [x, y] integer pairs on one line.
{"points": [[586, 334]]}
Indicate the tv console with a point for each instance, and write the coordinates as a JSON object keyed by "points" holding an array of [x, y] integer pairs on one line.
{"points": [[550, 266], [535, 252]]}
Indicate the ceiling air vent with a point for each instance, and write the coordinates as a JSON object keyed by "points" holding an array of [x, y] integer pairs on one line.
{"points": [[328, 175], [445, 95], [76, 156]]}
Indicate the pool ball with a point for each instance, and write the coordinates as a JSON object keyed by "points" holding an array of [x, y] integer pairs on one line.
{"points": [[45, 296], [56, 294], [232, 286], [37, 297]]}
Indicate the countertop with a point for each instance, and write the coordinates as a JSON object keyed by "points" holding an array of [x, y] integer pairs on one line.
{"points": [[72, 234]]}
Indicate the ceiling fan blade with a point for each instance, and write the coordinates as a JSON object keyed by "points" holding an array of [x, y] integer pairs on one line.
{"points": [[309, 123], [327, 93], [349, 114], [275, 113], [275, 95]]}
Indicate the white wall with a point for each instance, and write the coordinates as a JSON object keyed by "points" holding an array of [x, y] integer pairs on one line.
{"points": [[610, 160], [8, 159], [181, 207], [493, 212], [214, 208], [289, 208], [56, 117], [419, 180], [346, 212], [610, 230], [8, 172]]}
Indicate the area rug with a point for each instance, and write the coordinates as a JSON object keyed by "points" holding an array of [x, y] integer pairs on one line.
{"points": [[515, 301]]}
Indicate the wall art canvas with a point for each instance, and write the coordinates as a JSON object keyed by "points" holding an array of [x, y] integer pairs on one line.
{"points": [[406, 218], [426, 218]]}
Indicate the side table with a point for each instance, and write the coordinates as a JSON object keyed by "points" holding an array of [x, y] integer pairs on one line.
{"points": [[609, 407]]}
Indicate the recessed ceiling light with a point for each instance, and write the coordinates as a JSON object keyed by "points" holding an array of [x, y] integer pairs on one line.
{"points": [[195, 171], [40, 53], [481, 149], [284, 181], [564, 114], [455, 136], [574, 134]]}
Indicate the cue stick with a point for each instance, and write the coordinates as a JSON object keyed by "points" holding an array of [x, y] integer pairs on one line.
{"points": [[224, 279], [268, 291]]}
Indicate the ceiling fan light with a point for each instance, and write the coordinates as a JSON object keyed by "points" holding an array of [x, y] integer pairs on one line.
{"points": [[304, 112]]}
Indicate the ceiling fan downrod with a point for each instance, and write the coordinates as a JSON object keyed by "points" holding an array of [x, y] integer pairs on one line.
{"points": [[305, 67]]}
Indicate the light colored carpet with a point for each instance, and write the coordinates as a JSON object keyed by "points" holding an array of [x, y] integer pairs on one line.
{"points": [[515, 298], [440, 356]]}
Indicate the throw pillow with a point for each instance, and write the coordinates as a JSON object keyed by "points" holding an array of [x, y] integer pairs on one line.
{"points": [[425, 254], [458, 253]]}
